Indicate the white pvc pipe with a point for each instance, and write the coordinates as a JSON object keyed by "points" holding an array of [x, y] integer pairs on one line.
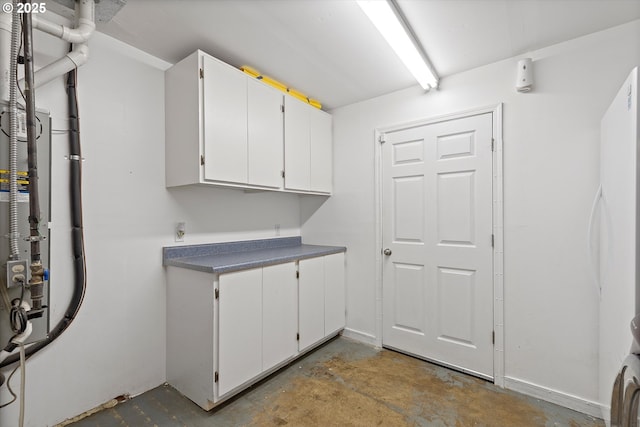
{"points": [[84, 24], [78, 56], [79, 35]]}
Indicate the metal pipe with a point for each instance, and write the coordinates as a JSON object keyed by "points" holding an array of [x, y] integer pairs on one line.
{"points": [[36, 283]]}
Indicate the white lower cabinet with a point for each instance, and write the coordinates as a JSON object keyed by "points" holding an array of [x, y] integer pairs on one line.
{"points": [[334, 293], [257, 323], [321, 298], [311, 301], [227, 331], [279, 314], [239, 328]]}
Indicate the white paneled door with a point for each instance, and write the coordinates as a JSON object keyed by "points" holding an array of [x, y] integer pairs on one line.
{"points": [[437, 242]]}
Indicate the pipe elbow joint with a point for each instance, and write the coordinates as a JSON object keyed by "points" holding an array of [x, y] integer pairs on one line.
{"points": [[79, 55], [80, 34]]}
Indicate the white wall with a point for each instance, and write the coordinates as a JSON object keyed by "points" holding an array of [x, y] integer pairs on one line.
{"points": [[551, 143], [117, 343]]}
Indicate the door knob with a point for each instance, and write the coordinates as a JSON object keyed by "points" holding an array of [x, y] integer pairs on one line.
{"points": [[387, 252]]}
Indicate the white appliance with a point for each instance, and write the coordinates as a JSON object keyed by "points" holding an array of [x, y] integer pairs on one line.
{"points": [[618, 199]]}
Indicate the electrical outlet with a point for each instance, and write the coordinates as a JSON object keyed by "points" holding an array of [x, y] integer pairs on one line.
{"points": [[277, 228], [180, 231], [16, 273]]}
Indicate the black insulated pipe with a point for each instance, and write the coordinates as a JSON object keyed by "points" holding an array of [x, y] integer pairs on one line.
{"points": [[75, 190]]}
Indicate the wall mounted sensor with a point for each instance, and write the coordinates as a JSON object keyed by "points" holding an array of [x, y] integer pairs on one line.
{"points": [[524, 82]]}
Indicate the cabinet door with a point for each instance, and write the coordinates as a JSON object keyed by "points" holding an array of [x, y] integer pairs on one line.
{"points": [[321, 151], [311, 301], [279, 314], [225, 122], [296, 144], [239, 328], [334, 293], [265, 135]]}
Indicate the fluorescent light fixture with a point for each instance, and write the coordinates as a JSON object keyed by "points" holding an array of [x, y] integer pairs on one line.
{"points": [[388, 21]]}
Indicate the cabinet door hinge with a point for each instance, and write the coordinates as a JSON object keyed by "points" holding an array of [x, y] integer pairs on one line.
{"points": [[493, 144], [215, 377], [297, 274], [493, 241], [217, 293], [493, 337], [201, 73], [298, 336], [282, 108], [202, 160], [381, 139], [282, 173]]}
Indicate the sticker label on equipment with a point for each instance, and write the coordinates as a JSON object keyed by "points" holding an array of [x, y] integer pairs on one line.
{"points": [[22, 197], [23, 186]]}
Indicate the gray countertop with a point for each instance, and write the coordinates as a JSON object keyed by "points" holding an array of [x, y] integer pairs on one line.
{"points": [[233, 256]]}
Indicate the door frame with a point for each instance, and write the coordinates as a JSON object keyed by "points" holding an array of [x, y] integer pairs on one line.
{"points": [[497, 218]]}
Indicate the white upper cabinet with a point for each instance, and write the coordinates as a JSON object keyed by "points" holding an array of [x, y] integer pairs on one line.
{"points": [[307, 147], [225, 122], [321, 163], [297, 148], [265, 134], [225, 128]]}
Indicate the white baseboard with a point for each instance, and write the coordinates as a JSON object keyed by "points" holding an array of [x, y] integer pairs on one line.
{"points": [[554, 396], [360, 336]]}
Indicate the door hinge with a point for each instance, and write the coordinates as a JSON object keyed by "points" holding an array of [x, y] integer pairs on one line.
{"points": [[381, 139], [215, 377], [493, 241], [201, 73], [282, 108], [493, 337], [493, 141], [298, 336], [202, 160], [282, 173], [297, 274], [217, 293]]}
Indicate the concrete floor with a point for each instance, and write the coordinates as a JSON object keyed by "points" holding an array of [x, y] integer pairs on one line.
{"points": [[345, 383]]}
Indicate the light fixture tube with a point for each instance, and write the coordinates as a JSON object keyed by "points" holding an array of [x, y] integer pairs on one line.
{"points": [[384, 16]]}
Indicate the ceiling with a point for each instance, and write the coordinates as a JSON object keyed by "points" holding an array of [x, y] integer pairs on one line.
{"points": [[330, 51]]}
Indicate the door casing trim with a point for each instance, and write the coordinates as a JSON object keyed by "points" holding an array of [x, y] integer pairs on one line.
{"points": [[498, 225]]}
